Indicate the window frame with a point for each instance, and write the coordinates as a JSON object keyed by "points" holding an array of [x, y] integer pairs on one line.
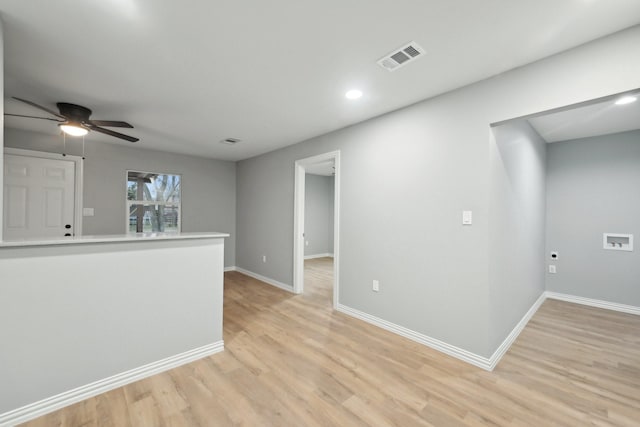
{"points": [[129, 203]]}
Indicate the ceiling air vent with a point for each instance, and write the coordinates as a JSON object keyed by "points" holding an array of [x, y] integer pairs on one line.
{"points": [[401, 57], [230, 141]]}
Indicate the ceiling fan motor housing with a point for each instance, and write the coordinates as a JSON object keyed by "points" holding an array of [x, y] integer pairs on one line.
{"points": [[73, 112]]}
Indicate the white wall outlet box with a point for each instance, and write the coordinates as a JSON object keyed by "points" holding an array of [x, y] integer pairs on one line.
{"points": [[552, 269], [467, 217], [617, 242], [87, 211], [376, 286]]}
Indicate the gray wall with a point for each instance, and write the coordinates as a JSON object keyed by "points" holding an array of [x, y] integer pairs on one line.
{"points": [[593, 187], [516, 225], [318, 214], [406, 177], [208, 192], [1, 117]]}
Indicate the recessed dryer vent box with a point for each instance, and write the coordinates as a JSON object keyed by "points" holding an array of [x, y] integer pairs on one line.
{"points": [[618, 242]]}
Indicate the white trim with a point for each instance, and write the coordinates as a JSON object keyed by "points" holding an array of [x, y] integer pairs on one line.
{"points": [[480, 361], [510, 339], [265, 279], [623, 308], [474, 359], [230, 268], [37, 409], [78, 178], [457, 352], [298, 227], [298, 222], [326, 255]]}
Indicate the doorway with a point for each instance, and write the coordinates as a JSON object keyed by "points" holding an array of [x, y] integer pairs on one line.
{"points": [[324, 263], [42, 195]]}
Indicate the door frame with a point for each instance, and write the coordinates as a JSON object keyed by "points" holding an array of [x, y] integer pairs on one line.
{"points": [[78, 177], [298, 221]]}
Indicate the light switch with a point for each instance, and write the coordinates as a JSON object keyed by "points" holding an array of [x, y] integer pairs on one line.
{"points": [[87, 211], [467, 217]]}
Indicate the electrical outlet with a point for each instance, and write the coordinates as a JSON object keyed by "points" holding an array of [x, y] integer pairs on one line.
{"points": [[376, 286], [264, 258], [306, 243], [552, 269]]}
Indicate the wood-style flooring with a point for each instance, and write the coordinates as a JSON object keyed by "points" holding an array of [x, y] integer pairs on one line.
{"points": [[292, 361]]}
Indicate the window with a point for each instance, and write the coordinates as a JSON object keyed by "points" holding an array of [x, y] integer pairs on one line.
{"points": [[153, 202]]}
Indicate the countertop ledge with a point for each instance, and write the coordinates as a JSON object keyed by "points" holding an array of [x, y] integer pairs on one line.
{"points": [[113, 238]]}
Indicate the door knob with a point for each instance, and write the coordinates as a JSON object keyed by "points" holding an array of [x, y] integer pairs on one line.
{"points": [[68, 226], [67, 234]]}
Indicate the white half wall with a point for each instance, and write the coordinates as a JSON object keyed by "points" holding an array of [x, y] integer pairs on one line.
{"points": [[71, 315]]}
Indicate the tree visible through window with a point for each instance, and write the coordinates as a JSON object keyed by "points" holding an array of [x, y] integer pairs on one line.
{"points": [[153, 202]]}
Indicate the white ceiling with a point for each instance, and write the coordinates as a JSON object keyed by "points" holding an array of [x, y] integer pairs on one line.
{"points": [[600, 118], [188, 74]]}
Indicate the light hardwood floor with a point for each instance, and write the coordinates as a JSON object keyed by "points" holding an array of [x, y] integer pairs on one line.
{"points": [[292, 361]]}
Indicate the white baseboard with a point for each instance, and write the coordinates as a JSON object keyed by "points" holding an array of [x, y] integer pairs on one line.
{"points": [[510, 339], [231, 268], [265, 279], [482, 362], [45, 406], [623, 308], [459, 353], [327, 255]]}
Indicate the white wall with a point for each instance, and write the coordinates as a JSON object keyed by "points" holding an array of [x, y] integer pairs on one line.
{"points": [[74, 314], [318, 215], [516, 225], [208, 186], [593, 188], [406, 178]]}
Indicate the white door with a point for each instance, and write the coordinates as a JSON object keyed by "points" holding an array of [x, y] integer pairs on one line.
{"points": [[38, 197]]}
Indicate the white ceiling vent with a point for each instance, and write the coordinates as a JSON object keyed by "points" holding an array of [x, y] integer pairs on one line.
{"points": [[230, 141], [401, 57]]}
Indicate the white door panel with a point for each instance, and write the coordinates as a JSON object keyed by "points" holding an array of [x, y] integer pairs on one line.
{"points": [[16, 212], [38, 197]]}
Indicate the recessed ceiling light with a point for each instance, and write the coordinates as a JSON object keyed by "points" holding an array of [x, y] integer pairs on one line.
{"points": [[626, 100], [353, 94]]}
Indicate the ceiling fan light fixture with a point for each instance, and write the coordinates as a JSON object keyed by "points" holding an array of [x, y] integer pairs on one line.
{"points": [[73, 129]]}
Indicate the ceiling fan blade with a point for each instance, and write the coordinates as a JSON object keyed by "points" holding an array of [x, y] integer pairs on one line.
{"points": [[111, 123], [34, 117], [112, 133], [40, 107]]}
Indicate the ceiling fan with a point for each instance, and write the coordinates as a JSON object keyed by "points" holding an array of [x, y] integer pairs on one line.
{"points": [[74, 120]]}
